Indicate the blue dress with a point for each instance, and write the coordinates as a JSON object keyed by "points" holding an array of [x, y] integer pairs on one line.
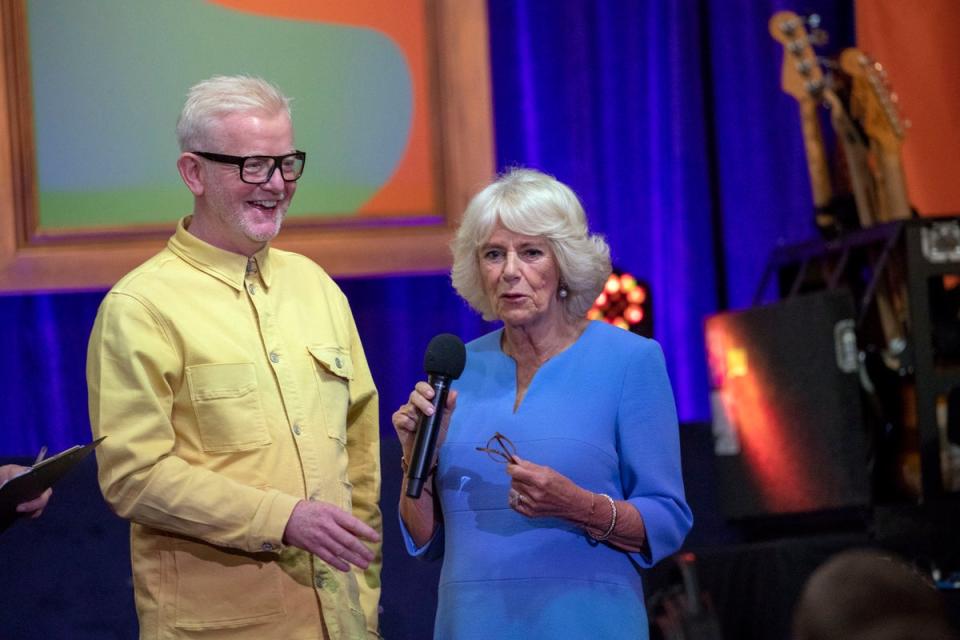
{"points": [[602, 413]]}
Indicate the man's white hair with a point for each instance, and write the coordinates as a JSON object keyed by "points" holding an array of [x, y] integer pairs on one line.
{"points": [[211, 99]]}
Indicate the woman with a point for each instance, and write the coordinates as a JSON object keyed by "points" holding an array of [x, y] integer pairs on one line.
{"points": [[577, 481]]}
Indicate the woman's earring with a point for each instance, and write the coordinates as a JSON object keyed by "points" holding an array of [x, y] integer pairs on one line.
{"points": [[562, 291]]}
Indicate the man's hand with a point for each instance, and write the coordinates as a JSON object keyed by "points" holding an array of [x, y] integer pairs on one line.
{"points": [[330, 533], [32, 508]]}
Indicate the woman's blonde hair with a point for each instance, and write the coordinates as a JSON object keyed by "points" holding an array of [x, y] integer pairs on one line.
{"points": [[532, 203]]}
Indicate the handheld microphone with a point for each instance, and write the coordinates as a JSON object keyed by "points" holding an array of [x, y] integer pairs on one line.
{"points": [[443, 361]]}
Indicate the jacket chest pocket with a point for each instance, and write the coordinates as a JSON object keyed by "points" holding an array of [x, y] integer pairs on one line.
{"points": [[228, 406], [333, 369]]}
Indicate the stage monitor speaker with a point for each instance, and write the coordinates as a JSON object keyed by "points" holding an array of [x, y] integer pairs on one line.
{"points": [[788, 428]]}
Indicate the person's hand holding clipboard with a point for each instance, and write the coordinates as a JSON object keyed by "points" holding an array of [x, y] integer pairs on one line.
{"points": [[24, 491]]}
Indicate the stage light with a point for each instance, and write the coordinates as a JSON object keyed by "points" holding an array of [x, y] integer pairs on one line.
{"points": [[633, 314], [625, 303]]}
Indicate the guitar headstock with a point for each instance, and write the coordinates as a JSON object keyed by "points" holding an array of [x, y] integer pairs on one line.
{"points": [[871, 100], [801, 77]]}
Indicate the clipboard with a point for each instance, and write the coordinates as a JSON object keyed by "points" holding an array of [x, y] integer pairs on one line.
{"points": [[38, 478]]}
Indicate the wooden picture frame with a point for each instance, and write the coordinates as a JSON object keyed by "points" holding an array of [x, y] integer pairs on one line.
{"points": [[36, 259]]}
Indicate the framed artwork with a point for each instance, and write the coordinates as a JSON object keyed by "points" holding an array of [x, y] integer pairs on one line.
{"points": [[391, 102]]}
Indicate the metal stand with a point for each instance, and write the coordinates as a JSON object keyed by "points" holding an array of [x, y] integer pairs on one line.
{"points": [[925, 251]]}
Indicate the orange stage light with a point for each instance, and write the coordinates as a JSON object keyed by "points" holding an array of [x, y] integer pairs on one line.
{"points": [[625, 303]]}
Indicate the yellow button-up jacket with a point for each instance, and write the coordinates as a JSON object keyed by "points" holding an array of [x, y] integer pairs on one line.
{"points": [[229, 390]]}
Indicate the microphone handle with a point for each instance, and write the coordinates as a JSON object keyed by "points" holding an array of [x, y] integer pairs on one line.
{"points": [[425, 441]]}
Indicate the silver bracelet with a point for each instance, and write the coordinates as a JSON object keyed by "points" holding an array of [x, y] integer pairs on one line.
{"points": [[613, 520]]}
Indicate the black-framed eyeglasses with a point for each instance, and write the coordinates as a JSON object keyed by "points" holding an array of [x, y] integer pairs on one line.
{"points": [[500, 449], [259, 169]]}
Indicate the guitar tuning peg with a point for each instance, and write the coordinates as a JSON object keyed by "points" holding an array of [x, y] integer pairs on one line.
{"points": [[828, 63], [815, 87], [907, 124], [804, 67], [797, 47], [818, 37], [894, 98], [788, 27]]}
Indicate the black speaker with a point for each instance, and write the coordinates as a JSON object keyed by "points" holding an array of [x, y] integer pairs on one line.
{"points": [[789, 434]]}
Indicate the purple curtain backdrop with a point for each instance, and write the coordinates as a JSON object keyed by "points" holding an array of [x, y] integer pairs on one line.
{"points": [[665, 116]]}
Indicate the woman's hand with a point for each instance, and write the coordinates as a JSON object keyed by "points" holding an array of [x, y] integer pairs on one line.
{"points": [[405, 418], [537, 491], [421, 515]]}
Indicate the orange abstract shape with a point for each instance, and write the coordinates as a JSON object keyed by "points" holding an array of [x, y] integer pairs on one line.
{"points": [[411, 188]]}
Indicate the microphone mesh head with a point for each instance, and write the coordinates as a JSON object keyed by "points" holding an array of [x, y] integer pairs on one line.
{"points": [[445, 356]]}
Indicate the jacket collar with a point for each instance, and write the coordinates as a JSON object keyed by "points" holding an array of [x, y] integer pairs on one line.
{"points": [[226, 266]]}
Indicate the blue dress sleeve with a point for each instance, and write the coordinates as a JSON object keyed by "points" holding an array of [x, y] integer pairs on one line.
{"points": [[648, 444], [432, 549]]}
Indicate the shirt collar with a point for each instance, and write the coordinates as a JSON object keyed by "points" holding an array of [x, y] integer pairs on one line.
{"points": [[226, 266]]}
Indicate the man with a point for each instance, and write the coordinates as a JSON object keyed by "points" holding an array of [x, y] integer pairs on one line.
{"points": [[242, 416], [866, 594]]}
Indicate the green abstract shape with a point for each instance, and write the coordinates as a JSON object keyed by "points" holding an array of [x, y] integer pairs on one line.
{"points": [[110, 77]]}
